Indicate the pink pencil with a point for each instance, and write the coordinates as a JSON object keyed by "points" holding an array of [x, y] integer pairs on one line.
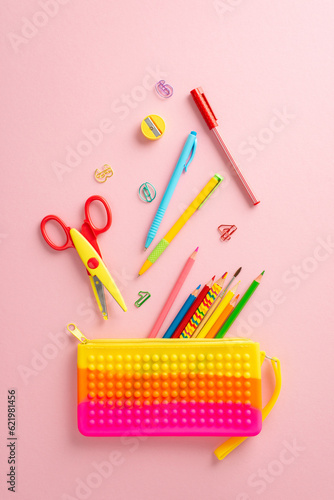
{"points": [[173, 294]]}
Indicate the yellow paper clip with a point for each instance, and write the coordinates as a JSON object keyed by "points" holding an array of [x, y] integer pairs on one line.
{"points": [[102, 176]]}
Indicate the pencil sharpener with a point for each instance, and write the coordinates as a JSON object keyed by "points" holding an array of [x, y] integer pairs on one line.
{"points": [[153, 127]]}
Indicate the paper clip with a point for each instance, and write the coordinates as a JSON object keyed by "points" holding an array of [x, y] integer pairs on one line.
{"points": [[163, 89], [226, 231], [143, 296], [147, 194], [102, 176]]}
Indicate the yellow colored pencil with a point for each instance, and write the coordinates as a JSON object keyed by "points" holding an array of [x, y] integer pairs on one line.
{"points": [[222, 318]]}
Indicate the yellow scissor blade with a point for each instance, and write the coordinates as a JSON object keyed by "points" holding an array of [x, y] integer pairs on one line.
{"points": [[91, 258]]}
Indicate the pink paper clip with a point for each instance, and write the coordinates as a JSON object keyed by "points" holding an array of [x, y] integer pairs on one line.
{"points": [[163, 89], [226, 231]]}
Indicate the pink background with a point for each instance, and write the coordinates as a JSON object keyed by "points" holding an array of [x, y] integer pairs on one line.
{"points": [[256, 61]]}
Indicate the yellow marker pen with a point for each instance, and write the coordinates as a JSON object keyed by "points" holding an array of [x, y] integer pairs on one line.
{"points": [[200, 199]]}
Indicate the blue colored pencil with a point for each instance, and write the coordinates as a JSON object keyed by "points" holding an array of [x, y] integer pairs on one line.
{"points": [[180, 315]]}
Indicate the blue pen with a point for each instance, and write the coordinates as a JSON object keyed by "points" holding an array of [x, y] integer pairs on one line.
{"points": [[182, 164], [182, 312]]}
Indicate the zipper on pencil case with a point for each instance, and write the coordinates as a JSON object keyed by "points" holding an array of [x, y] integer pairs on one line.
{"points": [[72, 328]]}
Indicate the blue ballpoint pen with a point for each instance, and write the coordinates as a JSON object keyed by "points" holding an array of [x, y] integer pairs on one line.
{"points": [[182, 164]]}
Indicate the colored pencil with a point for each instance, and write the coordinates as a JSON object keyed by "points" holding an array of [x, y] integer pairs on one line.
{"points": [[202, 309], [224, 303], [192, 309], [211, 310], [238, 308], [173, 294], [223, 317], [216, 303], [176, 321]]}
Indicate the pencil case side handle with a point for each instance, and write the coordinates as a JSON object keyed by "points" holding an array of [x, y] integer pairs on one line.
{"points": [[232, 443]]}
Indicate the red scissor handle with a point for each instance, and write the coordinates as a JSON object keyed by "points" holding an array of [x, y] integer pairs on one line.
{"points": [[98, 230], [68, 243], [88, 228]]}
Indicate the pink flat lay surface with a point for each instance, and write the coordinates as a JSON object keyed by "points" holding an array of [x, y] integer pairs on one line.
{"points": [[77, 80]]}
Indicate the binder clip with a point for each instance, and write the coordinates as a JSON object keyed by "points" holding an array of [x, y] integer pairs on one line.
{"points": [[102, 176], [163, 89], [147, 192], [143, 296], [226, 231]]}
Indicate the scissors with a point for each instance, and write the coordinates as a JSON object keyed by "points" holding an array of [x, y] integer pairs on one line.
{"points": [[85, 243]]}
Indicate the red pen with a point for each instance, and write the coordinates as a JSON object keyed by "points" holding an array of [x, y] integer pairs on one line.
{"points": [[211, 121]]}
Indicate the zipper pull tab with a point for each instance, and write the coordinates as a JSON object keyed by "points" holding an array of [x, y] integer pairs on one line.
{"points": [[72, 328]]}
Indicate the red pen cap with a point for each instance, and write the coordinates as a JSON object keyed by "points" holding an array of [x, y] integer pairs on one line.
{"points": [[204, 107]]}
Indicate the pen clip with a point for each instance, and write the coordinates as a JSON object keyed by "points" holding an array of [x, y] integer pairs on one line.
{"points": [[190, 159], [219, 178], [206, 102]]}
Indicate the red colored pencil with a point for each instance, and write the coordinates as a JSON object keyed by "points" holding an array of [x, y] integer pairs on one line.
{"points": [[193, 308]]}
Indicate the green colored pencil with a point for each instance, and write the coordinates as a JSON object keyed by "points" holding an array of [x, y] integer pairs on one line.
{"points": [[238, 308]]}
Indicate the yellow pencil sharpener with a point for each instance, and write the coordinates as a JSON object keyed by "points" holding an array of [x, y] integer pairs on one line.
{"points": [[153, 127]]}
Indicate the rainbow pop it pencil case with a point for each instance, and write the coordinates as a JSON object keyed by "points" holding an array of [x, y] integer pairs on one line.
{"points": [[172, 387]]}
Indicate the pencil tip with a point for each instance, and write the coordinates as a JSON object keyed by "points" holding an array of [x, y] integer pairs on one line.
{"points": [[262, 273], [224, 275], [197, 249], [199, 286], [213, 277], [234, 289]]}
